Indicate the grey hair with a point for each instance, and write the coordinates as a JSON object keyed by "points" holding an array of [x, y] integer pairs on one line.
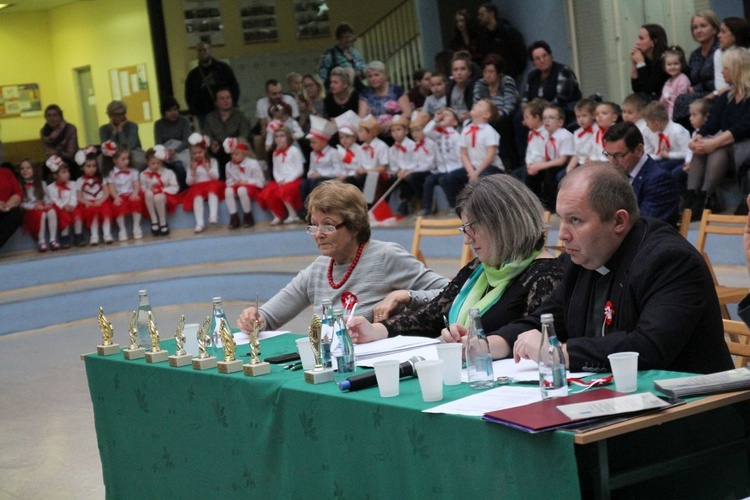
{"points": [[505, 208], [378, 66], [346, 74]]}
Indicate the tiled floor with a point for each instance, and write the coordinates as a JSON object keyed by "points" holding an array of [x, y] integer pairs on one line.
{"points": [[48, 444]]}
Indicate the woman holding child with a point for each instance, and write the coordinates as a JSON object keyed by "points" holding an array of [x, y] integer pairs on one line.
{"points": [[511, 276], [351, 263]]}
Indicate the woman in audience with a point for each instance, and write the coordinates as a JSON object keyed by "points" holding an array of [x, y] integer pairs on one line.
{"points": [[724, 140], [342, 55], [705, 28], [554, 82], [350, 262], [459, 93], [381, 98], [502, 91], [342, 96], [647, 75], [310, 100], [421, 89], [733, 32], [465, 33], [60, 137], [511, 276]]}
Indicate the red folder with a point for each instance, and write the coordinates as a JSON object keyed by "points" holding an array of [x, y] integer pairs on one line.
{"points": [[544, 415]]}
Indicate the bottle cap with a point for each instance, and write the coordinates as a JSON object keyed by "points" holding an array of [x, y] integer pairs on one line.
{"points": [[216, 299], [547, 318], [345, 385]]}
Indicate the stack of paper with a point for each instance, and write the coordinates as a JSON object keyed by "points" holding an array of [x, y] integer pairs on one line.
{"points": [[401, 348], [732, 380]]}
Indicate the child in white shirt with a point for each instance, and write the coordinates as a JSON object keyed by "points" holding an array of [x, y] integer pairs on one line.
{"points": [[39, 213], [282, 117], [583, 137], [442, 129], [672, 141], [402, 160], [350, 153], [436, 100], [536, 139], [160, 188], [324, 160], [124, 188], [282, 196], [245, 180], [64, 198], [203, 179], [94, 196], [542, 176]]}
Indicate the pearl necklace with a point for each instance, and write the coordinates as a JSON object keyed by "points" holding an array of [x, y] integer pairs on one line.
{"points": [[349, 271]]}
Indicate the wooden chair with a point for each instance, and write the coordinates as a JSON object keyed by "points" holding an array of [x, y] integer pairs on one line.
{"points": [[685, 222], [737, 336], [438, 227], [721, 225]]}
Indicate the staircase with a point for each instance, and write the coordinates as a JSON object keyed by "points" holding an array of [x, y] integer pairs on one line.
{"points": [[395, 40]]}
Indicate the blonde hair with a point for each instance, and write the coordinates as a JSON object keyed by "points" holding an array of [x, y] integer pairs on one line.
{"points": [[737, 62], [655, 111]]}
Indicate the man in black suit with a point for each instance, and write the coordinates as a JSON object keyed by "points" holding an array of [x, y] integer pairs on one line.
{"points": [[629, 284], [654, 186]]}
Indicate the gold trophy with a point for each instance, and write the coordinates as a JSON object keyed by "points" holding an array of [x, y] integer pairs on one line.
{"points": [[318, 374], [134, 352], [180, 357], [229, 365], [106, 348], [204, 361], [156, 354], [256, 367]]}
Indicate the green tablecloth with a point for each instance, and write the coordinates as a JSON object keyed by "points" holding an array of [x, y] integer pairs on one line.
{"points": [[180, 433]]}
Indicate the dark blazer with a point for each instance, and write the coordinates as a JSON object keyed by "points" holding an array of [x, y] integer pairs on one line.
{"points": [[743, 310], [664, 301], [657, 193]]}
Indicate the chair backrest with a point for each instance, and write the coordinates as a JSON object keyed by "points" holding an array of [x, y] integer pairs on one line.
{"points": [[437, 227], [718, 224], [737, 336], [687, 214]]}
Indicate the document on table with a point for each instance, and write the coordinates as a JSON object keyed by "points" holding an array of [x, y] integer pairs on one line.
{"points": [[613, 406], [401, 348], [242, 338], [482, 402]]}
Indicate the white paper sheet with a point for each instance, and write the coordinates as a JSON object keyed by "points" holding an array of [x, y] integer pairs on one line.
{"points": [[482, 402], [613, 406], [242, 338], [525, 371], [427, 352]]}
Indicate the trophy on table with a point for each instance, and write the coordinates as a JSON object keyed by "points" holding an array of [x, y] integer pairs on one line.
{"points": [[255, 366], [180, 357], [204, 361], [134, 351], [319, 374], [156, 354], [230, 364], [106, 348]]}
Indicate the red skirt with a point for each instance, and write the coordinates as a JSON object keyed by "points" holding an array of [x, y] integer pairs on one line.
{"points": [[103, 211], [274, 196], [252, 191], [65, 218], [202, 189], [127, 206]]}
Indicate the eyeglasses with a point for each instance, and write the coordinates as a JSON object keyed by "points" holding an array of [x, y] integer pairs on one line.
{"points": [[325, 228], [464, 228], [617, 156]]}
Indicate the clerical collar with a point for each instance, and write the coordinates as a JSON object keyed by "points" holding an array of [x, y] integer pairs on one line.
{"points": [[603, 270]]}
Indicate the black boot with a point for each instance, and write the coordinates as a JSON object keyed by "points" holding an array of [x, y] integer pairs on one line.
{"points": [[699, 203], [234, 221], [248, 220]]}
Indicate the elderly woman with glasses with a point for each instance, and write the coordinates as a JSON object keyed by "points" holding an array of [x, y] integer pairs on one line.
{"points": [[510, 277], [350, 263]]}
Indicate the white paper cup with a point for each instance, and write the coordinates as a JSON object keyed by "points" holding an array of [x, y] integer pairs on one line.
{"points": [[430, 373], [386, 371], [451, 355], [625, 370], [306, 353]]}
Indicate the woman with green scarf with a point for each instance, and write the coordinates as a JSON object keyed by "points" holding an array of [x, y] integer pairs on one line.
{"points": [[511, 276]]}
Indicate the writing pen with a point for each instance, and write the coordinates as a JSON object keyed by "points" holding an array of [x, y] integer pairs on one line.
{"points": [[445, 321], [297, 366], [292, 366]]}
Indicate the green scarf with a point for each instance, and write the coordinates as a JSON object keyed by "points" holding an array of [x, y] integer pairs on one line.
{"points": [[472, 294]]}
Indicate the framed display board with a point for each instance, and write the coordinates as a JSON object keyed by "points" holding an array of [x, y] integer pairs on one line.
{"points": [[258, 21], [130, 85], [203, 22], [311, 18], [20, 100]]}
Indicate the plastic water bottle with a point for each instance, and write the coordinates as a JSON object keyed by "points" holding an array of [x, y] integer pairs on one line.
{"points": [[216, 319], [343, 349], [553, 380], [144, 307], [326, 333], [478, 357]]}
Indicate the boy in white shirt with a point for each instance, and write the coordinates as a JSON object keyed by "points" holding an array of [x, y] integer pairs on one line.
{"points": [[402, 161], [375, 158], [436, 100], [245, 180], [542, 176], [671, 139], [583, 137], [536, 140], [632, 107], [442, 129], [323, 162], [350, 154], [425, 156]]}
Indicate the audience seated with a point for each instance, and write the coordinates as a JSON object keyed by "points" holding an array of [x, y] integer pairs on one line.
{"points": [[342, 55], [223, 122], [381, 98], [647, 74], [11, 196], [123, 132], [59, 137], [204, 80], [172, 131]]}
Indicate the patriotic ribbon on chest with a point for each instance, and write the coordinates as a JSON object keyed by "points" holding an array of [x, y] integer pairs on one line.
{"points": [[348, 157], [157, 185], [532, 134], [420, 144], [600, 136], [400, 148], [61, 188], [369, 148], [473, 133], [609, 314], [282, 153], [663, 140], [441, 130]]}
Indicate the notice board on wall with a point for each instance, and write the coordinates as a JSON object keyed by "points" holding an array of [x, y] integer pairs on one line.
{"points": [[130, 85], [20, 100]]}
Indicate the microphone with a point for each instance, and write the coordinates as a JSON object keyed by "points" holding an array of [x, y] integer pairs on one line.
{"points": [[364, 380]]}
